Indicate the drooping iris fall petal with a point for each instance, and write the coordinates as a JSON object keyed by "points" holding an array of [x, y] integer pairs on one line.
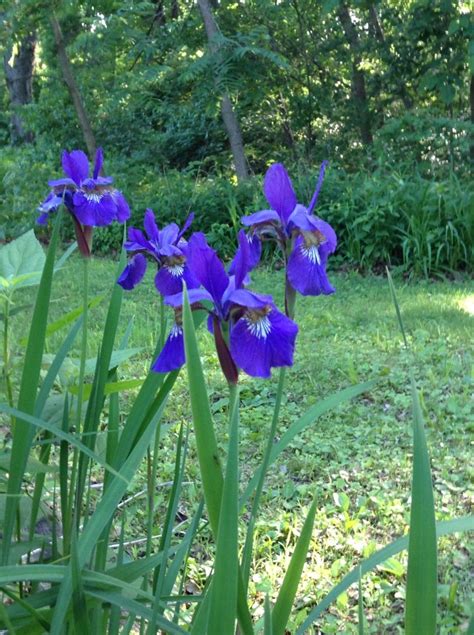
{"points": [[263, 339]]}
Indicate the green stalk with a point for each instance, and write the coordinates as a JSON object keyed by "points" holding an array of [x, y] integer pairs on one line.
{"points": [[290, 303], [82, 367], [248, 547], [152, 470], [80, 395], [152, 465], [6, 357]]}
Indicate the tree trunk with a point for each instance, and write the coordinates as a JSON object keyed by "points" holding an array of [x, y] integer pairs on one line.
{"points": [[228, 114], [174, 9], [359, 94], [19, 78], [71, 83], [380, 37]]}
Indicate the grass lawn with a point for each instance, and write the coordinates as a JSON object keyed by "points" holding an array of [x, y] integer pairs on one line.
{"points": [[356, 460]]}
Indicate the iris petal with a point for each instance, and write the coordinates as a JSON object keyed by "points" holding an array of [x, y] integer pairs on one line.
{"points": [[172, 355], [279, 191], [307, 269], [150, 226], [123, 210], [133, 272], [76, 165], [96, 210], [99, 160], [207, 267], [259, 344], [169, 279], [265, 216]]}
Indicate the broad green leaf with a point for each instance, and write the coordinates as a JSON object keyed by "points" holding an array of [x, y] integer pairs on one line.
{"points": [[22, 260], [443, 528], [286, 596], [422, 574]]}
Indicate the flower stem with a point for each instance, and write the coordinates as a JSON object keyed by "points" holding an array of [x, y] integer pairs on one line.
{"points": [[80, 395], [6, 355], [82, 367], [290, 299]]}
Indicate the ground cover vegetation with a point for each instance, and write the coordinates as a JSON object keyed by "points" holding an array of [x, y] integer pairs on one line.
{"points": [[355, 461], [163, 469]]}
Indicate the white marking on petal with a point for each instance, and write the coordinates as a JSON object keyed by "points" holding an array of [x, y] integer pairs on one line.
{"points": [[176, 331], [259, 327], [312, 254], [175, 270], [93, 197]]}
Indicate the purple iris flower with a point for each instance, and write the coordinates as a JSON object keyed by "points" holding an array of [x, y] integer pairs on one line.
{"points": [[167, 248], [249, 331], [306, 241], [92, 200]]}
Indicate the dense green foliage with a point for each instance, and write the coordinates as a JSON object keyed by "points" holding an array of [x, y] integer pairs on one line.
{"points": [[381, 89]]}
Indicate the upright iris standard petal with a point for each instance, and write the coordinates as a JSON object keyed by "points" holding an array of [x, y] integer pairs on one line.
{"points": [[246, 258], [319, 184], [99, 161], [307, 267], [187, 224], [279, 191], [172, 355], [207, 267], [300, 219], [151, 228], [76, 165], [133, 272], [263, 339], [240, 265], [137, 241]]}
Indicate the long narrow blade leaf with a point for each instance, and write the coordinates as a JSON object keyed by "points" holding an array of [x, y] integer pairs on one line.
{"points": [[223, 608], [422, 576], [303, 422], [211, 471], [443, 528], [286, 596], [24, 432]]}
